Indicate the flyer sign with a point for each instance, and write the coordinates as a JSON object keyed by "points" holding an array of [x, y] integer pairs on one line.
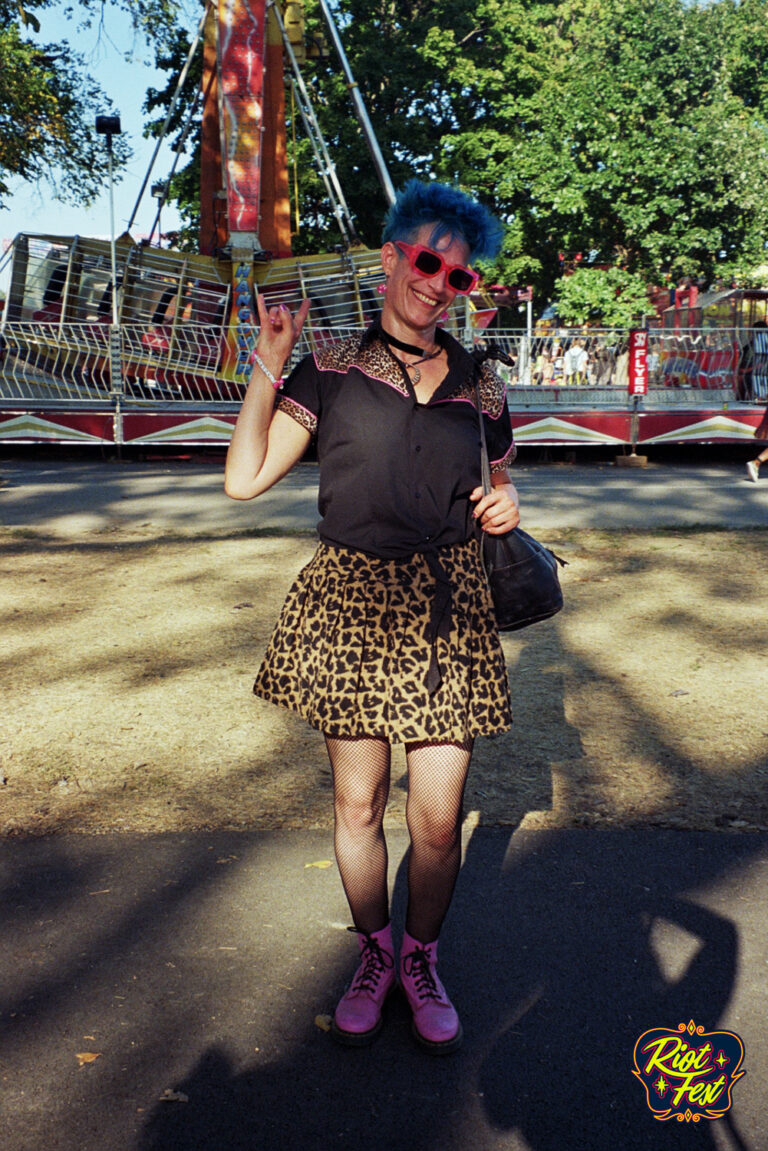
{"points": [[638, 362]]}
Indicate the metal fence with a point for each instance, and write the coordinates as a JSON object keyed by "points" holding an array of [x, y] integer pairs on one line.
{"points": [[76, 365], [188, 365], [684, 365]]}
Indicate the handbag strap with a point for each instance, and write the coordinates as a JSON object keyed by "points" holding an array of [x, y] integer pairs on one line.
{"points": [[480, 355], [485, 465]]}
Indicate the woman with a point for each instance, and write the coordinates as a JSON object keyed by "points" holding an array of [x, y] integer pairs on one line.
{"points": [[388, 634]]}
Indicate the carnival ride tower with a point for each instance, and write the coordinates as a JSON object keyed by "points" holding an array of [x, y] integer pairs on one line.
{"points": [[244, 203]]}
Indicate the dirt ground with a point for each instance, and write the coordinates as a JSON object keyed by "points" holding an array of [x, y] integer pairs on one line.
{"points": [[128, 661]]}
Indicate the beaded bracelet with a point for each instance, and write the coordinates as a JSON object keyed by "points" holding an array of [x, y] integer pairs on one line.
{"points": [[256, 359]]}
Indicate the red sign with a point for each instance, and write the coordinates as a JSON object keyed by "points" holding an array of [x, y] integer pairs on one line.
{"points": [[638, 362]]}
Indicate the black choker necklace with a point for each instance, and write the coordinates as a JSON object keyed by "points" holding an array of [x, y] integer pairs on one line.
{"points": [[413, 351], [412, 366], [410, 348]]}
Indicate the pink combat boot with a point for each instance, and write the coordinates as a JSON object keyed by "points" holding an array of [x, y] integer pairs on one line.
{"points": [[357, 1020], [436, 1025]]}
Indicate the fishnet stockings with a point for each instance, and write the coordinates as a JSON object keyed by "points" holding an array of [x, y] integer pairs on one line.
{"points": [[437, 775], [360, 790]]}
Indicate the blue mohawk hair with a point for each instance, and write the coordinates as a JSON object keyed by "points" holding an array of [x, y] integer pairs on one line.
{"points": [[451, 211]]}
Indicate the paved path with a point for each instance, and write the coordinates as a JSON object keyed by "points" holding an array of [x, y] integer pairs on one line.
{"points": [[198, 965], [69, 497], [194, 967]]}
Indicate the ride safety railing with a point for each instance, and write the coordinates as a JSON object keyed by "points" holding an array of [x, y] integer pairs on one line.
{"points": [[64, 365], [682, 366]]}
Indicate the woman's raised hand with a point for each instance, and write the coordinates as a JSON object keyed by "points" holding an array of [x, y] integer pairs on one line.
{"points": [[279, 332]]}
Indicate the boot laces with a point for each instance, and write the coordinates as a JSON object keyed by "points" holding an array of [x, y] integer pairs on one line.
{"points": [[417, 966], [373, 962]]}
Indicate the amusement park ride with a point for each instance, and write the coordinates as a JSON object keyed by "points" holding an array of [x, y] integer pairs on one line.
{"points": [[131, 343]]}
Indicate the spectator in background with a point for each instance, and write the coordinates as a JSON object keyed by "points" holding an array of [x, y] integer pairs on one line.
{"points": [[538, 368], [654, 362], [579, 362], [568, 365], [602, 366], [621, 374], [557, 362]]}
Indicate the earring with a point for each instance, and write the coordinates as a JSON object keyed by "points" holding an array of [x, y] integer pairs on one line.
{"points": [[382, 289]]}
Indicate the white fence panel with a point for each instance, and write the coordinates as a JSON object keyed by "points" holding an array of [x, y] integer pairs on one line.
{"points": [[189, 364]]}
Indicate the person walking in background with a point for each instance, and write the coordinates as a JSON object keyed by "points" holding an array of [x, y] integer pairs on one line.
{"points": [[388, 634], [761, 433], [754, 465]]}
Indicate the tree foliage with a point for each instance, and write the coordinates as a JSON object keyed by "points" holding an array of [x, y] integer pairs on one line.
{"points": [[184, 185], [612, 297], [48, 100], [632, 131]]}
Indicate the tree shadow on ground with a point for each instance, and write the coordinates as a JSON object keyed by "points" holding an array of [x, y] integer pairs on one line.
{"points": [[549, 952], [587, 975]]}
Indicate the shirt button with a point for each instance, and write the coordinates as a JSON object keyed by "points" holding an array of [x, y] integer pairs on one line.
{"points": [[418, 447]]}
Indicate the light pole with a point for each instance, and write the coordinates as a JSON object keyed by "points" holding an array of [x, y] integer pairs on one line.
{"points": [[159, 192], [109, 126]]}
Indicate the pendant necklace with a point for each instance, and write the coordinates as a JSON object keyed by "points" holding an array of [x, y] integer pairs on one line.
{"points": [[414, 351]]}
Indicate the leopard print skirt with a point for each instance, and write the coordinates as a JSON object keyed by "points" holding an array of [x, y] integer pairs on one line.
{"points": [[352, 649]]}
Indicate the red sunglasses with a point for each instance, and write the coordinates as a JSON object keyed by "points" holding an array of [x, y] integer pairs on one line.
{"points": [[428, 263]]}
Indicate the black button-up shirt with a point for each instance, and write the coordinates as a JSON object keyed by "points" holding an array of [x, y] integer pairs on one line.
{"points": [[396, 474]]}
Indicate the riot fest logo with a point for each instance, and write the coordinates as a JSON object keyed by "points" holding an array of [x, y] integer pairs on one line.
{"points": [[688, 1074]]}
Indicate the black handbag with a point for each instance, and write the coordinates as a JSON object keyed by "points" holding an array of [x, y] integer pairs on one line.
{"points": [[522, 574]]}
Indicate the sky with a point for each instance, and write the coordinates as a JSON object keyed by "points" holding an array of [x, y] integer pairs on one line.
{"points": [[30, 208]]}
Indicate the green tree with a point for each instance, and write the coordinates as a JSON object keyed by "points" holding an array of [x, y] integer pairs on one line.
{"points": [[184, 185], [620, 129], [48, 101], [633, 131], [611, 297]]}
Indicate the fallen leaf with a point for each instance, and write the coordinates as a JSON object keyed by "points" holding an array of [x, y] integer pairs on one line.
{"points": [[169, 1096], [323, 1022], [321, 863], [84, 1057]]}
